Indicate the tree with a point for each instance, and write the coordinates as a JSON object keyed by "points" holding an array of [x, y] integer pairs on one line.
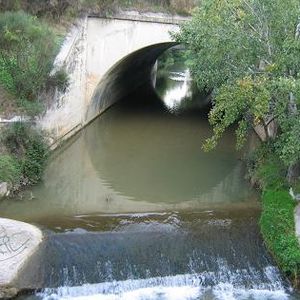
{"points": [[247, 53]]}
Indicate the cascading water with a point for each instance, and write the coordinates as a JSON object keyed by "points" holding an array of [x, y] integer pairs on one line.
{"points": [[133, 209], [203, 255]]}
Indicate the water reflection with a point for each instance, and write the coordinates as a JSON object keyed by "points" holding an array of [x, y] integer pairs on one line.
{"points": [[179, 89]]}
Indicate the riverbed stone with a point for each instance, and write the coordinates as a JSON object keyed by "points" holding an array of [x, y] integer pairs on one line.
{"points": [[18, 241], [297, 221], [3, 189]]}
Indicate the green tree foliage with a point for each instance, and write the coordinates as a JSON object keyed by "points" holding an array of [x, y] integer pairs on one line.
{"points": [[27, 51], [248, 53]]}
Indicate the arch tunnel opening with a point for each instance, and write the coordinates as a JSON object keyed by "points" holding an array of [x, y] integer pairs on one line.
{"points": [[142, 138], [134, 74]]}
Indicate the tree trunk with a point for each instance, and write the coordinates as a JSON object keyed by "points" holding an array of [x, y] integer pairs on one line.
{"points": [[294, 169], [293, 173]]}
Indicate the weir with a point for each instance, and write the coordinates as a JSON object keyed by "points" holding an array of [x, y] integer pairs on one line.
{"points": [[155, 256]]}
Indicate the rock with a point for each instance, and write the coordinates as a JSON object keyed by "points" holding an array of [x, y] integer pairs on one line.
{"points": [[293, 195], [297, 221], [4, 191], [8, 292], [18, 241]]}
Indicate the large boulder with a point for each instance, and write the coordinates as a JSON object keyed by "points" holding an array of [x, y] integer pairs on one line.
{"points": [[18, 241]]}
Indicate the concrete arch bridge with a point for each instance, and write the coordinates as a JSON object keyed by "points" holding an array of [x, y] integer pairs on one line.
{"points": [[105, 58]]}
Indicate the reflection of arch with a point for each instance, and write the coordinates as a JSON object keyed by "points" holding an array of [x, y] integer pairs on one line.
{"points": [[127, 75], [141, 166]]}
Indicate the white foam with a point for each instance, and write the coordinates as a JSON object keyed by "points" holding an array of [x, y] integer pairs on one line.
{"points": [[179, 287], [174, 293], [229, 292], [127, 215]]}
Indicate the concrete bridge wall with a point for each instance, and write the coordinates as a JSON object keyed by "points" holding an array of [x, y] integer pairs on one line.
{"points": [[99, 54]]}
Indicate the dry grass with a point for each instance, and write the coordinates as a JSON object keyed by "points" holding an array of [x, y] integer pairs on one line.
{"points": [[183, 6], [60, 10], [172, 6]]}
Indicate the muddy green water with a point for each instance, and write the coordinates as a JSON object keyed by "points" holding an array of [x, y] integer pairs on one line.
{"points": [[137, 161]]}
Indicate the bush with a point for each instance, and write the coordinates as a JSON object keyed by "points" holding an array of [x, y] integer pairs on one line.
{"points": [[28, 147], [272, 173], [265, 168], [9, 169], [62, 8], [47, 8], [15, 137], [27, 51], [59, 80], [183, 7], [35, 159], [278, 230], [31, 108]]}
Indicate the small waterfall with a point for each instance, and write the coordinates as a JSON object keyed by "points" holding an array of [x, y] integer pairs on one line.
{"points": [[222, 285], [203, 255]]}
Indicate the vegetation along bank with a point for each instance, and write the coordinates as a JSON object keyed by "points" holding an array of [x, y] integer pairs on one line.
{"points": [[247, 53]]}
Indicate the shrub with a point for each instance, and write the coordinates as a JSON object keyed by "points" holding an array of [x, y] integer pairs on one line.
{"points": [[183, 7], [31, 108], [9, 169], [272, 173], [27, 145], [27, 51], [48, 8], [278, 230], [15, 137], [265, 168], [59, 80], [35, 160]]}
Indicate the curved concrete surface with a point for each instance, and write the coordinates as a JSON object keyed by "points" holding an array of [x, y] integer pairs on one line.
{"points": [[91, 50], [18, 241], [128, 75]]}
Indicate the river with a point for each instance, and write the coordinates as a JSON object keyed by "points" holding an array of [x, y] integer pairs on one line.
{"points": [[132, 208]]}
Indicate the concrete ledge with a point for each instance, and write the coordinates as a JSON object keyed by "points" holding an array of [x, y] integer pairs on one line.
{"points": [[162, 18], [18, 241]]}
